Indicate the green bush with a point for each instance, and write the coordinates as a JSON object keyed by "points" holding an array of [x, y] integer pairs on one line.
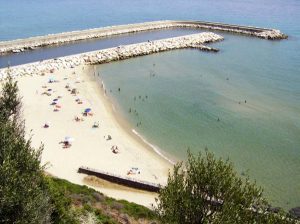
{"points": [[24, 197], [208, 190]]}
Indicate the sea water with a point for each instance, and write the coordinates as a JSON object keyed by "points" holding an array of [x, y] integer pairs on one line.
{"points": [[242, 103]]}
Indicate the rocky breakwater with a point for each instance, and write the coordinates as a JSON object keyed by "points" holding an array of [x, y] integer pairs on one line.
{"points": [[16, 46], [271, 35], [264, 33], [20, 45], [150, 47], [114, 54]]}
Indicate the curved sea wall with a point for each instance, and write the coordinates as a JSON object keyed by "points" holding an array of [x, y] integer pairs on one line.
{"points": [[16, 46], [114, 54]]}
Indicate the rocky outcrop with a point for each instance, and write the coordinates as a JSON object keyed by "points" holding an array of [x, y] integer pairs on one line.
{"points": [[295, 212], [20, 45], [272, 35], [114, 54]]}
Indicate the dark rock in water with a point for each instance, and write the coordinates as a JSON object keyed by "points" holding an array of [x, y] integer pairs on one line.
{"points": [[274, 209], [295, 212]]}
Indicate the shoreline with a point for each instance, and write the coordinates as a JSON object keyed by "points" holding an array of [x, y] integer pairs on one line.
{"points": [[126, 126], [89, 148]]}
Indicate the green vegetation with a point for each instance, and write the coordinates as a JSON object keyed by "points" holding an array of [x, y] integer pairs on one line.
{"points": [[208, 190], [75, 203], [23, 192]]}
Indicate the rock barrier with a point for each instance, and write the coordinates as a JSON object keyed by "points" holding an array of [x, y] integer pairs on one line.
{"points": [[114, 54], [20, 45]]}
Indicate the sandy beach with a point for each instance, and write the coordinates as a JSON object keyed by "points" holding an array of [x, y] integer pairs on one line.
{"points": [[89, 146]]}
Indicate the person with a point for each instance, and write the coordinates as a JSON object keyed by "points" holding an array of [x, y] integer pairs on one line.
{"points": [[77, 119], [67, 144], [96, 124]]}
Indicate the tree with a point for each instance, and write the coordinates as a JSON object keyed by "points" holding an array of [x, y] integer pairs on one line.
{"points": [[208, 190], [24, 196], [10, 102]]}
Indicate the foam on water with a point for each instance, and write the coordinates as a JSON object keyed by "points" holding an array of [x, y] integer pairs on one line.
{"points": [[155, 148]]}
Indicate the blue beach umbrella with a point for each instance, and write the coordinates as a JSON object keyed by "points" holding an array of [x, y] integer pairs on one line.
{"points": [[87, 110]]}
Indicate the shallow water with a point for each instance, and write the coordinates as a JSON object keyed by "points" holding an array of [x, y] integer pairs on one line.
{"points": [[190, 90]]}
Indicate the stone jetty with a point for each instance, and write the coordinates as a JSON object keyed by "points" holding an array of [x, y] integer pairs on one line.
{"points": [[16, 46], [114, 54]]}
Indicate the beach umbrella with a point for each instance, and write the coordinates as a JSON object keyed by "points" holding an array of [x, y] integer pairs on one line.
{"points": [[87, 110]]}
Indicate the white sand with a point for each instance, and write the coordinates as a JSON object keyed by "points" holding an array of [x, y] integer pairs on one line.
{"points": [[90, 147]]}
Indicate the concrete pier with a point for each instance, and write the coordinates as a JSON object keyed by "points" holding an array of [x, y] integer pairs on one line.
{"points": [[114, 54], [16, 46]]}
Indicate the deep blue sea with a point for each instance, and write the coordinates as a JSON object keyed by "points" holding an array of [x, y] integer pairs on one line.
{"points": [[242, 103]]}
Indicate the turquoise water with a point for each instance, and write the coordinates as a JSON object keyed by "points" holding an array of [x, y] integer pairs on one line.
{"points": [[191, 90], [179, 106]]}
